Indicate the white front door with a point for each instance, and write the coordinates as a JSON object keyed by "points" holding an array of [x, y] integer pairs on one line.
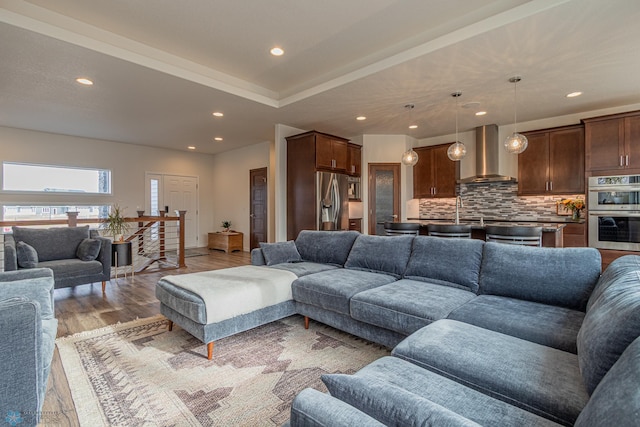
{"points": [[175, 193]]}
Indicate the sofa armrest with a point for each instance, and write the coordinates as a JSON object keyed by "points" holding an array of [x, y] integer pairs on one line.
{"points": [[35, 284], [105, 252], [257, 257], [10, 256]]}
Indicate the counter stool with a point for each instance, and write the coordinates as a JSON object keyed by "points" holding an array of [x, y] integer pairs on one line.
{"points": [[401, 228], [459, 231], [516, 235]]}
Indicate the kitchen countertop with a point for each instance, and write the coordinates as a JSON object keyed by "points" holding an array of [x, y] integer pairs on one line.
{"points": [[475, 224]]}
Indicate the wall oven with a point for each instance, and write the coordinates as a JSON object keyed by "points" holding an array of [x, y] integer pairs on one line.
{"points": [[614, 212]]}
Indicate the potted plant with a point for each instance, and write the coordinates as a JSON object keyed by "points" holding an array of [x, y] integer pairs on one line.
{"points": [[226, 225], [115, 224]]}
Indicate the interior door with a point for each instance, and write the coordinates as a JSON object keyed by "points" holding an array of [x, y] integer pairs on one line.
{"points": [[257, 207], [181, 193], [384, 195]]}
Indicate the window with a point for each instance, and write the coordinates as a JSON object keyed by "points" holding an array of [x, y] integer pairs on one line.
{"points": [[57, 179], [27, 213]]}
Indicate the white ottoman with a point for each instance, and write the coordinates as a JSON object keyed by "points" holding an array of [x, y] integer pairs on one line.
{"points": [[215, 304]]}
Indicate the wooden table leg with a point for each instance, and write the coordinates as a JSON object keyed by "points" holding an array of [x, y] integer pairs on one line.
{"points": [[170, 326], [210, 350]]}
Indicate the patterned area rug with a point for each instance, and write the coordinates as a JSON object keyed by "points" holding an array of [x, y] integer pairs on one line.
{"points": [[139, 374]]}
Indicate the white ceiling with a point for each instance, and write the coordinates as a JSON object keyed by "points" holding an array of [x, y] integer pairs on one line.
{"points": [[161, 68]]}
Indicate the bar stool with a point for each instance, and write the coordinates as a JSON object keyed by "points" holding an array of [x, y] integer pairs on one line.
{"points": [[401, 228], [516, 235], [459, 231]]}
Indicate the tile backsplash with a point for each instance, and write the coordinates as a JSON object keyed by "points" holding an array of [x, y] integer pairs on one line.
{"points": [[495, 201]]}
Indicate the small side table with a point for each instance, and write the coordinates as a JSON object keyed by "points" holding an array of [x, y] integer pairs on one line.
{"points": [[121, 256], [227, 241]]}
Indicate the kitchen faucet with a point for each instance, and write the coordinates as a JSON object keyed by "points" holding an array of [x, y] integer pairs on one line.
{"points": [[458, 204]]}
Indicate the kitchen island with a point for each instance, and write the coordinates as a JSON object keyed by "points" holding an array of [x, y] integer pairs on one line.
{"points": [[552, 232]]}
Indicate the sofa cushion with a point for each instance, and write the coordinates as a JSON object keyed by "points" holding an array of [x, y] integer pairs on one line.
{"points": [[617, 398], [557, 276], [380, 254], [391, 405], [70, 268], [26, 255], [52, 243], [536, 378], [311, 408], [333, 289], [610, 325], [450, 394], [88, 249], [451, 262], [325, 247], [407, 305], [304, 268], [280, 252], [544, 324]]}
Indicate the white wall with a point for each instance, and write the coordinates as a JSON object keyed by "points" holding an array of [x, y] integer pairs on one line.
{"points": [[128, 164], [231, 185]]}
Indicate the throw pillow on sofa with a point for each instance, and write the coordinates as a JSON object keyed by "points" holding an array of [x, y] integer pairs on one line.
{"points": [[27, 255], [280, 252], [88, 249]]}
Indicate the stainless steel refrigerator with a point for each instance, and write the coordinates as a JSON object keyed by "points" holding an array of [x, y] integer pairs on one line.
{"points": [[332, 210]]}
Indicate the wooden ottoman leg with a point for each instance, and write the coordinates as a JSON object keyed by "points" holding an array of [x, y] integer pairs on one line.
{"points": [[306, 322], [210, 350], [170, 326]]}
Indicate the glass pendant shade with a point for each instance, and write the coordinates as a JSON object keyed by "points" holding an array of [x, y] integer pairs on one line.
{"points": [[456, 151], [410, 157], [516, 143]]}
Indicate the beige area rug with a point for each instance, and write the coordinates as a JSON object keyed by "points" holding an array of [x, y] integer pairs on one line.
{"points": [[139, 374]]}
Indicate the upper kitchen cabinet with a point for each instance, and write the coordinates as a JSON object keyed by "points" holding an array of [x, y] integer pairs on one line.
{"points": [[612, 144], [331, 152], [354, 159], [435, 175], [553, 163]]}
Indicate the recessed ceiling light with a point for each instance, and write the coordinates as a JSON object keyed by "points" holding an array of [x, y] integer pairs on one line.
{"points": [[218, 138], [574, 94], [481, 113], [84, 81], [361, 118], [413, 127], [218, 114], [191, 147], [277, 51]]}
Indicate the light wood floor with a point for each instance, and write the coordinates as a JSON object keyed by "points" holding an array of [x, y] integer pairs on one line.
{"points": [[85, 308]]}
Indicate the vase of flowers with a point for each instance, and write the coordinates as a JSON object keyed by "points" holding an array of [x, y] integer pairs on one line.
{"points": [[575, 206]]}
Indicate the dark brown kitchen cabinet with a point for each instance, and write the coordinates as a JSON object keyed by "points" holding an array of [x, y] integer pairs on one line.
{"points": [[612, 144], [308, 153], [435, 174], [354, 159], [331, 152], [553, 163]]}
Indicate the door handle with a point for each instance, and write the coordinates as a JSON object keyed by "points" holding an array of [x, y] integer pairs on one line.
{"points": [[551, 185], [627, 160], [252, 216], [621, 163]]}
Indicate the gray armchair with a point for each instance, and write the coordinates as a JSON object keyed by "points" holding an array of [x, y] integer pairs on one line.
{"points": [[27, 338], [58, 248]]}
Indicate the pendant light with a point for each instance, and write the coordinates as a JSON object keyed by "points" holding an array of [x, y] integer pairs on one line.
{"points": [[457, 150], [516, 143], [409, 157]]}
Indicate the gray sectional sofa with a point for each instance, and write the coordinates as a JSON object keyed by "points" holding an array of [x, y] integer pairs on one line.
{"points": [[482, 333], [77, 255]]}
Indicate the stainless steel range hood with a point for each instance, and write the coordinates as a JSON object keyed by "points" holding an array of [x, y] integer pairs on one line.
{"points": [[487, 157]]}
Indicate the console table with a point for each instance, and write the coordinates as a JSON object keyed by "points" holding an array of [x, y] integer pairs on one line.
{"points": [[227, 241]]}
